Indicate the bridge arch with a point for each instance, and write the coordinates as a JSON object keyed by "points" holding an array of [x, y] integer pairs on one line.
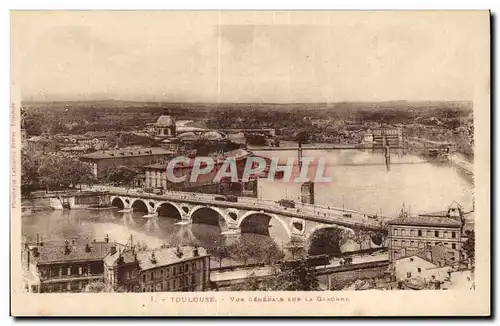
{"points": [[139, 205], [117, 202], [165, 205], [271, 216], [194, 217], [310, 235]]}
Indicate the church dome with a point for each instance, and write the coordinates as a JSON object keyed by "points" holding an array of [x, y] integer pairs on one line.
{"points": [[165, 121]]}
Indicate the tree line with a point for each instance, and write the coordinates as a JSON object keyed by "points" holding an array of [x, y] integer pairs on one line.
{"points": [[53, 172]]}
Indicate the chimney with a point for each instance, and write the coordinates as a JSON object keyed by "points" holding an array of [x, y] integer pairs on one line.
{"points": [[195, 251], [67, 250], [87, 248], [106, 238], [112, 250], [179, 252], [35, 252], [41, 242], [153, 258]]}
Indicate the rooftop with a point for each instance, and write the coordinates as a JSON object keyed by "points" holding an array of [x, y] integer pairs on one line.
{"points": [[166, 256], [425, 220], [127, 152], [76, 252], [126, 256]]}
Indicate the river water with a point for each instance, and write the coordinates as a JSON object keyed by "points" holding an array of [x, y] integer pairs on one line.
{"points": [[360, 181]]}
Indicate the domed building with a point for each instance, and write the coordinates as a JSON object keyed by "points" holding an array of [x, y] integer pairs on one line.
{"points": [[164, 127]]}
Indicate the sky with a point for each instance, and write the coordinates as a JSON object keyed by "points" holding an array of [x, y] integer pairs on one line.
{"points": [[278, 57]]}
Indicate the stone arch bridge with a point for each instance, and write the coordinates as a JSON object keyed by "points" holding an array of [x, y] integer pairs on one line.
{"points": [[246, 215]]}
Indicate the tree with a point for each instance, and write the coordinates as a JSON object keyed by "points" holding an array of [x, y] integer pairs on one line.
{"points": [[298, 277], [121, 175], [302, 137], [97, 287], [470, 245], [29, 173], [378, 238], [360, 237], [61, 172], [327, 241]]}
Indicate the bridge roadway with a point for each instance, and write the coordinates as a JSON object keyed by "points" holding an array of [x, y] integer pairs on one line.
{"points": [[236, 276], [316, 213], [319, 147]]}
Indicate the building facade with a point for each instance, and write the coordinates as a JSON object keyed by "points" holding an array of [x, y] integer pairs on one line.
{"points": [[65, 267], [410, 234], [102, 160], [71, 267], [173, 269]]}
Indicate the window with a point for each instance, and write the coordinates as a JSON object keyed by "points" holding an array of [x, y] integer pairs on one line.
{"points": [[453, 235], [150, 276], [161, 273], [403, 243], [452, 258], [419, 233], [393, 231], [436, 234], [429, 233], [143, 289], [168, 272], [69, 271], [412, 244], [193, 279], [161, 285], [419, 270], [428, 244], [144, 277], [80, 270], [453, 246]]}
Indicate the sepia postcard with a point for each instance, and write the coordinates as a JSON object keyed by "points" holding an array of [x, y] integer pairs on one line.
{"points": [[250, 163]]}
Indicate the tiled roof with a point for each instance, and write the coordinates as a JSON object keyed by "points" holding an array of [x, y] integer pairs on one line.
{"points": [[127, 255], [166, 256], [127, 152], [424, 220], [77, 252]]}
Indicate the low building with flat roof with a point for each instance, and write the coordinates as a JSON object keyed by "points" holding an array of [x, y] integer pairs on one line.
{"points": [[133, 156]]}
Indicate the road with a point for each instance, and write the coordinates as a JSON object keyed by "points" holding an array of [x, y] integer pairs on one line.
{"points": [[217, 276], [319, 213]]}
